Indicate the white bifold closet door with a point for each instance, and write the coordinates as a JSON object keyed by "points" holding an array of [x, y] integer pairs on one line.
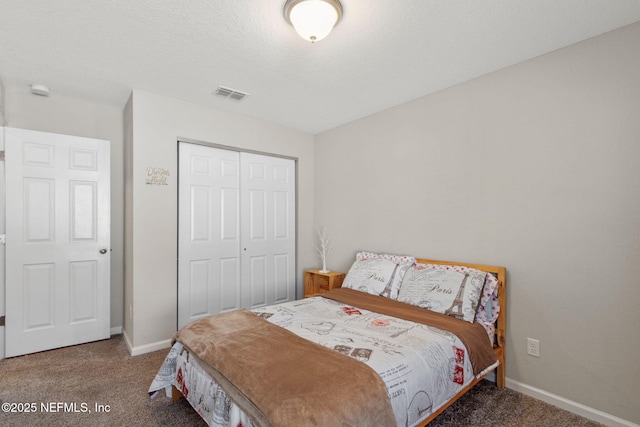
{"points": [[236, 231]]}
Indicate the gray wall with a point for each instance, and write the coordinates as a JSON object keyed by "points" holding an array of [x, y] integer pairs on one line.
{"points": [[2, 113], [535, 168]]}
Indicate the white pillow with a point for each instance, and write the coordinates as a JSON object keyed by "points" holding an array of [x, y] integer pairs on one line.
{"points": [[449, 292], [404, 263], [489, 306], [370, 275]]}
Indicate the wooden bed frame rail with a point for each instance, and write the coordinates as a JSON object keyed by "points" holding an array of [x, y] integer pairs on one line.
{"points": [[500, 340]]}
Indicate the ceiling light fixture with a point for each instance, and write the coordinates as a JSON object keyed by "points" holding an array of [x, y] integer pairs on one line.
{"points": [[313, 19]]}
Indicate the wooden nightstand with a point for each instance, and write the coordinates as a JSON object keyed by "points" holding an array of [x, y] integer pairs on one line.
{"points": [[316, 283]]}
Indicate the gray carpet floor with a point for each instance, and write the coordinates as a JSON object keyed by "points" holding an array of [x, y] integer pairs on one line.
{"points": [[100, 384]]}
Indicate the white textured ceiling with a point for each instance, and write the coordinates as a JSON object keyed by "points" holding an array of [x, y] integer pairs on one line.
{"points": [[382, 53]]}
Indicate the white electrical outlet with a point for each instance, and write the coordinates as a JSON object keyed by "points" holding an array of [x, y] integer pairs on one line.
{"points": [[533, 347]]}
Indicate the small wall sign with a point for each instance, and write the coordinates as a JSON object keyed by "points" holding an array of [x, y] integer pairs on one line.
{"points": [[157, 176]]}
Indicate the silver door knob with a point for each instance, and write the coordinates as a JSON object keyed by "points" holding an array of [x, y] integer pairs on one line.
{"points": [[103, 251]]}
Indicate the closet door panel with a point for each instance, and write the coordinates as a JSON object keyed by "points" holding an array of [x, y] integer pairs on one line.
{"points": [[256, 289], [281, 270], [230, 278], [199, 287], [208, 232], [257, 211], [268, 227]]}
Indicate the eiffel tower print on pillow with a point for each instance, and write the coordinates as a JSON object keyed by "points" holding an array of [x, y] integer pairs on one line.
{"points": [[449, 292]]}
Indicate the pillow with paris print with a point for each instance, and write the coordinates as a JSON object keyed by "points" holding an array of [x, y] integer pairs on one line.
{"points": [[448, 292], [371, 275], [404, 263]]}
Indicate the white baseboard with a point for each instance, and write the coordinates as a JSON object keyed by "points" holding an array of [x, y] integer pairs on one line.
{"points": [[147, 348], [569, 405], [116, 330]]}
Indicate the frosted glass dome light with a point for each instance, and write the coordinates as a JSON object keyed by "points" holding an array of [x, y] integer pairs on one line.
{"points": [[313, 20]]}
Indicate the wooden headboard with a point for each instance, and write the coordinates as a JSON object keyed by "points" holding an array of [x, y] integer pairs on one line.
{"points": [[501, 324]]}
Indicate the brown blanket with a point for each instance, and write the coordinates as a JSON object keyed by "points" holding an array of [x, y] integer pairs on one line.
{"points": [[280, 379], [472, 335]]}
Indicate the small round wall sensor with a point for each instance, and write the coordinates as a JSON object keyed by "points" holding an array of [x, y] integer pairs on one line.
{"points": [[41, 90]]}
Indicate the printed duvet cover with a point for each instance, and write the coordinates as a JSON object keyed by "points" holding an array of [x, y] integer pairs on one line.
{"points": [[422, 366]]}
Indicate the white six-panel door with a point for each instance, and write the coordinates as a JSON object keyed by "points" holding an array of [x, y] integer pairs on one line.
{"points": [[236, 231], [58, 237]]}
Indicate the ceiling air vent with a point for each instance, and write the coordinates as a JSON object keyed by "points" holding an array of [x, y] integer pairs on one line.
{"points": [[230, 93]]}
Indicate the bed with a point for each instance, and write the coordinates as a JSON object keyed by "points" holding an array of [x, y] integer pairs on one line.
{"points": [[401, 341]]}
